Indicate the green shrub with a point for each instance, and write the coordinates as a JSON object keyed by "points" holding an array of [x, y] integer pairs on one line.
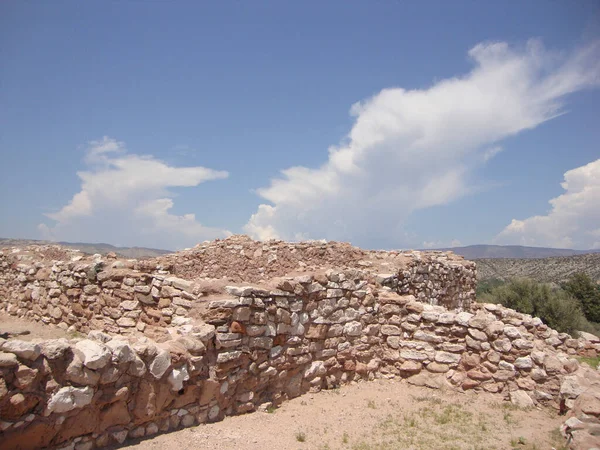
{"points": [[581, 286], [556, 307], [485, 286]]}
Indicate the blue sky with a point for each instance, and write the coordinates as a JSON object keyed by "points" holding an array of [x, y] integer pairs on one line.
{"points": [[163, 124]]}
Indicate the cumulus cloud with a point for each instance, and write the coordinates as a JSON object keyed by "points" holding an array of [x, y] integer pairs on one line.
{"points": [[413, 149], [574, 217], [124, 198]]}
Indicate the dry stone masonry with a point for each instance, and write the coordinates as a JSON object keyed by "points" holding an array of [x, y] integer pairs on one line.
{"points": [[164, 352]]}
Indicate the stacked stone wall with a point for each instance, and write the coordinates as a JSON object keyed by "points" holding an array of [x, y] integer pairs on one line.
{"points": [[252, 348], [84, 296], [126, 297], [256, 348]]}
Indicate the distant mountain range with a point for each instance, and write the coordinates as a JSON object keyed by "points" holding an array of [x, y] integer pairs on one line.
{"points": [[126, 252], [513, 252], [469, 252]]}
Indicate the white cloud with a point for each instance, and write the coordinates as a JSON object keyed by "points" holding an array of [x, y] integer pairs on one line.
{"points": [[413, 149], [573, 219], [491, 152], [125, 198]]}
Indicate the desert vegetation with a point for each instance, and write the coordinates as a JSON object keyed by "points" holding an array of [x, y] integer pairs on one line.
{"points": [[571, 306]]}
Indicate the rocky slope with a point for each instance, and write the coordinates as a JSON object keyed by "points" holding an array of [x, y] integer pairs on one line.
{"points": [[543, 269]]}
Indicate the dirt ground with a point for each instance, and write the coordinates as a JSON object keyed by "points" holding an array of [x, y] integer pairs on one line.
{"points": [[381, 415], [29, 330]]}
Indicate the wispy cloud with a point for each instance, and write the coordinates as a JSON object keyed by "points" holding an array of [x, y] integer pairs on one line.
{"points": [[413, 149], [130, 191]]}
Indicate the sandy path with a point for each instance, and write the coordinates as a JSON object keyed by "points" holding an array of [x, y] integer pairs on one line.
{"points": [[36, 331], [376, 415]]}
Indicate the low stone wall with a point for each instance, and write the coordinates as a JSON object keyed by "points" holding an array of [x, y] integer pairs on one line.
{"points": [[259, 347], [127, 296], [94, 295], [220, 352]]}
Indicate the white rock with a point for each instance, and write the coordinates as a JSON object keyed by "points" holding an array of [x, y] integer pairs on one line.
{"points": [[126, 322], [503, 365], [521, 399], [447, 318], [93, 354], [463, 318], [161, 363], [100, 336], [55, 348], [447, 357], [68, 398], [237, 291], [204, 332], [177, 377], [524, 363], [23, 349], [512, 332], [589, 336], [137, 368], [122, 352], [570, 387], [8, 360], [317, 368], [179, 321], [574, 424], [129, 305], [353, 329]]}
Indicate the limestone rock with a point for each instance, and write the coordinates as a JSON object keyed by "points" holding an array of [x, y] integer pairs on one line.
{"points": [[570, 387], [8, 360], [55, 348], [78, 373], [177, 377], [589, 402], [512, 333], [521, 399], [481, 320], [447, 357], [93, 354], [97, 335], [463, 318], [524, 363], [390, 330], [122, 352], [23, 349], [317, 368], [502, 345], [69, 398], [127, 322], [160, 364]]}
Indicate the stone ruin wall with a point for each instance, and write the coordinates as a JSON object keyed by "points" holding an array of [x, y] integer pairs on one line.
{"points": [[253, 348], [126, 297]]}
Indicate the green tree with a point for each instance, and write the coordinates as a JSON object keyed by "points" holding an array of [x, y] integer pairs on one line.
{"points": [[583, 288]]}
